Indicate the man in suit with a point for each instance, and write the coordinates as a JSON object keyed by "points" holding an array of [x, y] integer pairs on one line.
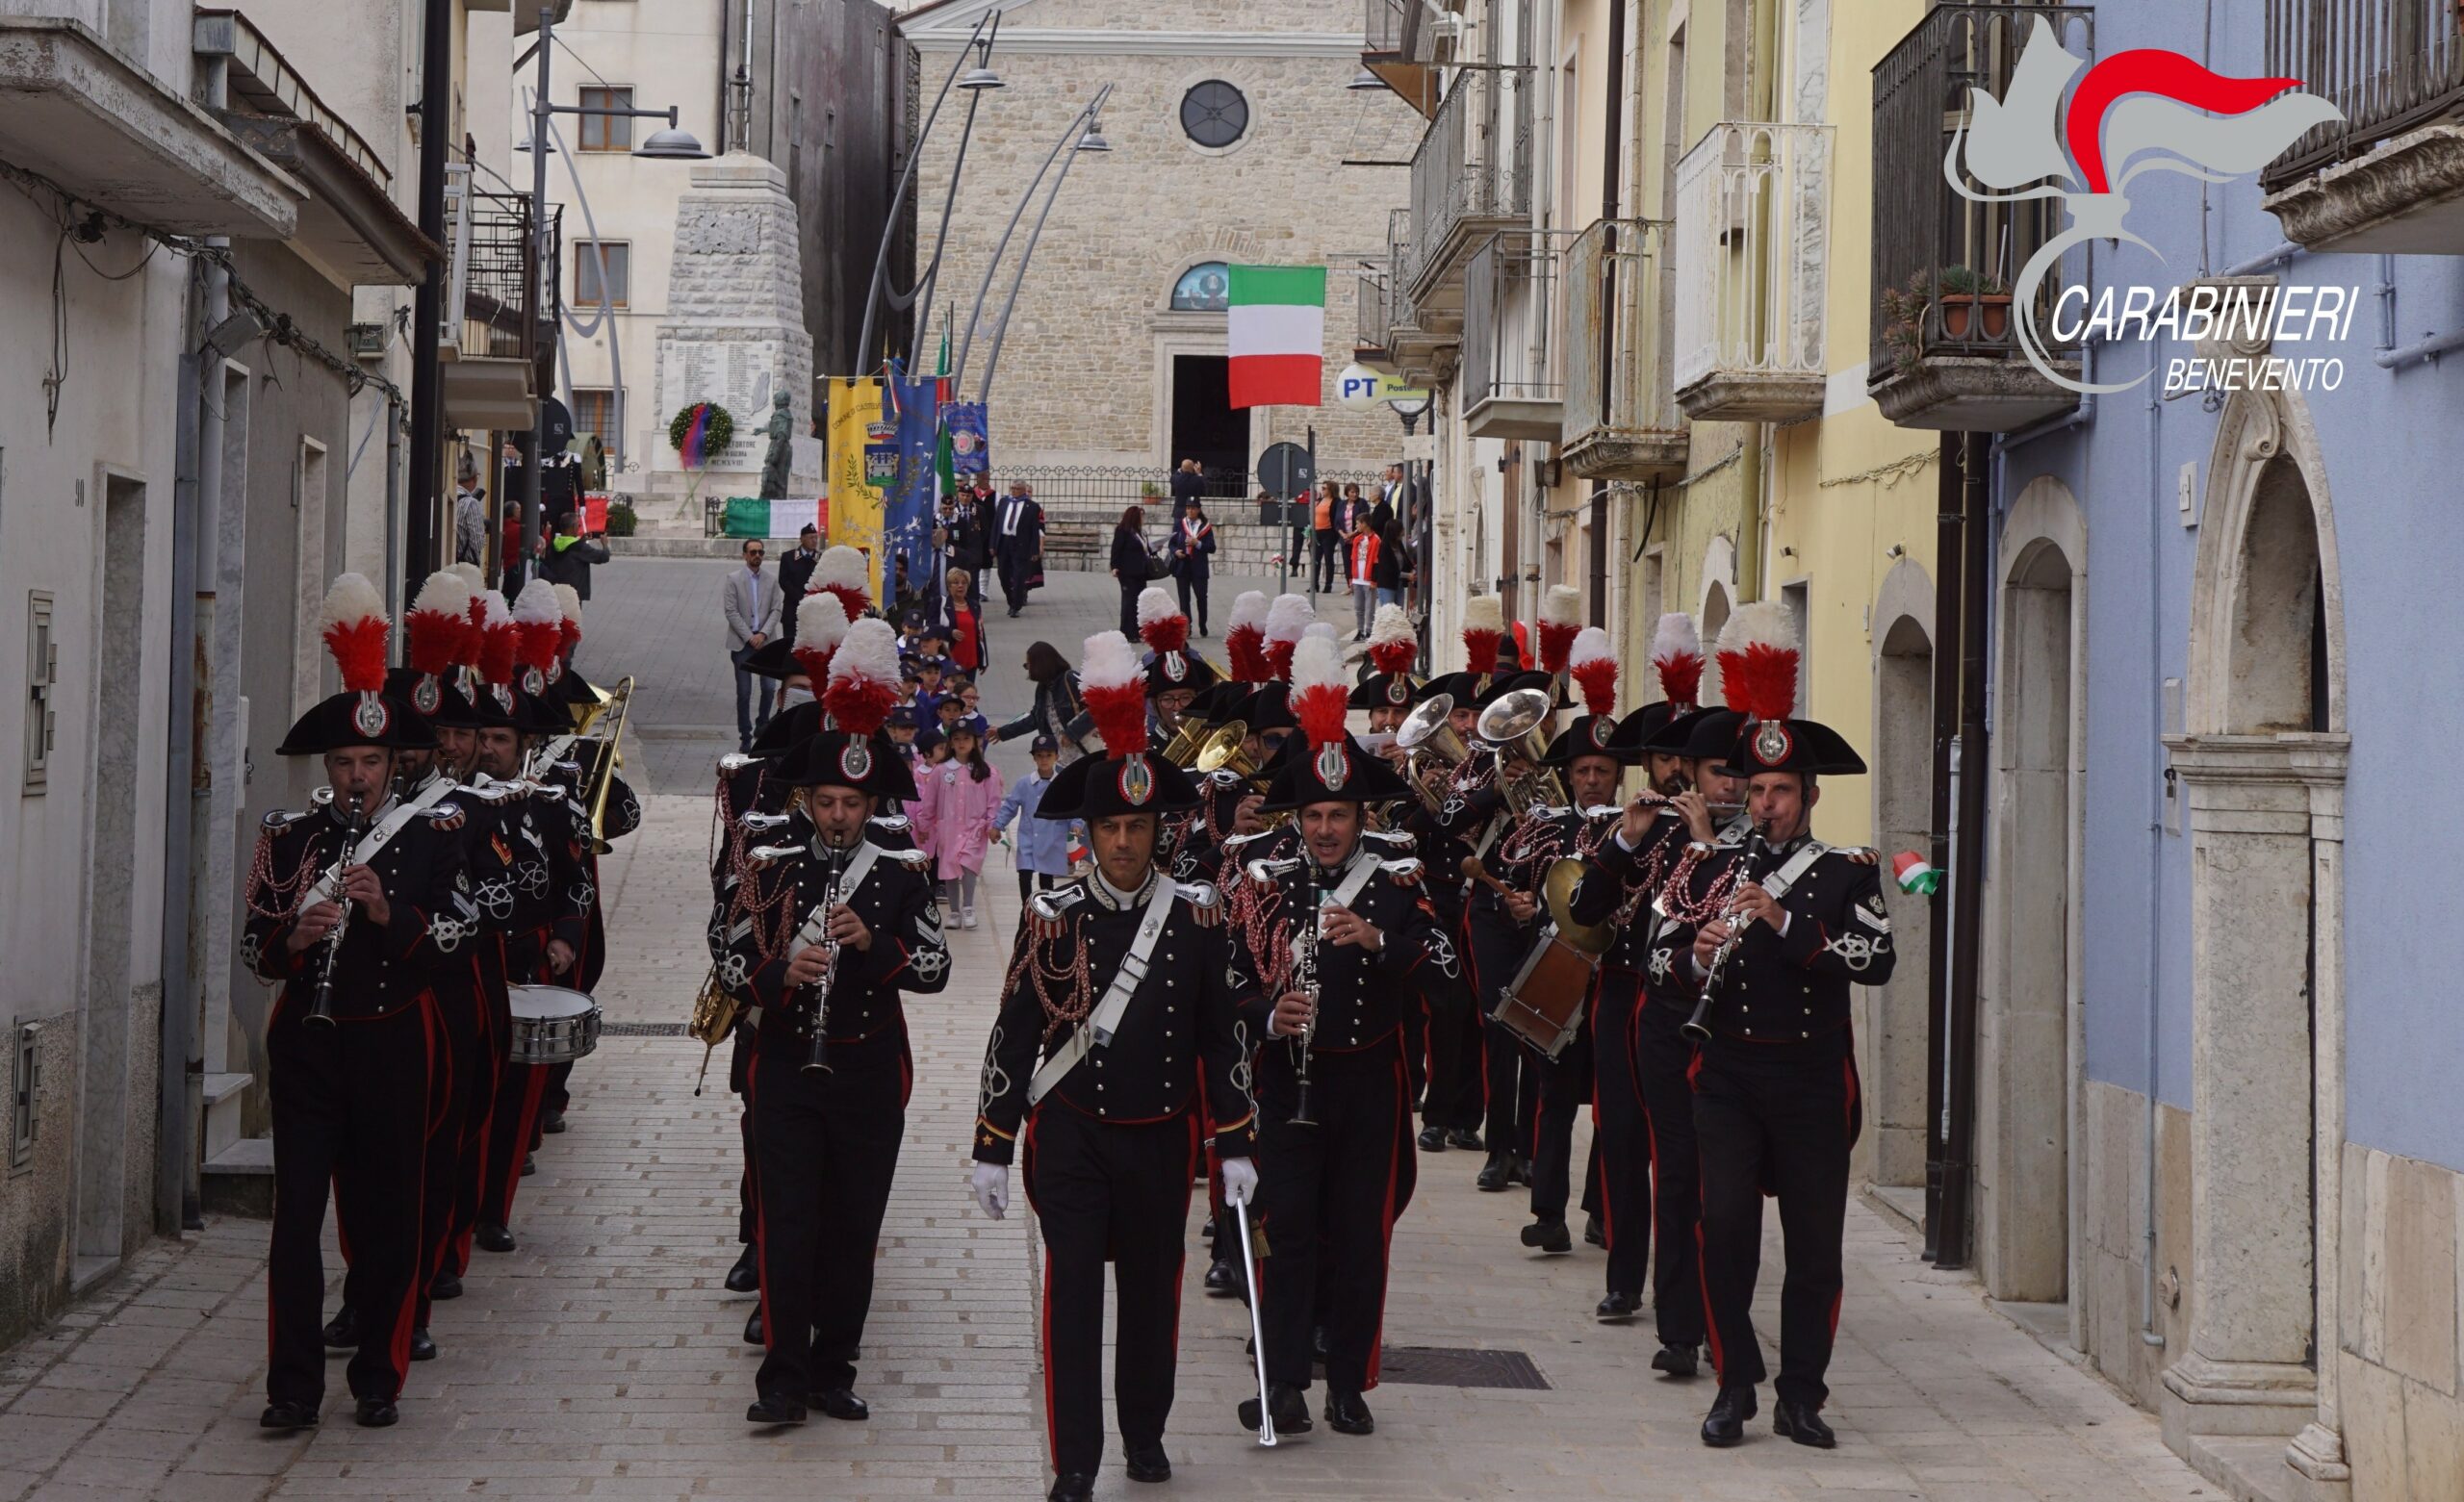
{"points": [[1188, 482], [795, 576], [751, 601], [1018, 542]]}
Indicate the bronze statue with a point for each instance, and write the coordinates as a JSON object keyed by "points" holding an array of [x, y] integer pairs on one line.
{"points": [[777, 462]]}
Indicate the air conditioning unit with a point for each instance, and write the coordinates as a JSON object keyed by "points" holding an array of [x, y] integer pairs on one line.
{"points": [[367, 341]]}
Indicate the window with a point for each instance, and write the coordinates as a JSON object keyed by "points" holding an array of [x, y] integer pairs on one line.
{"points": [[589, 256], [595, 413], [607, 132], [42, 681], [1214, 115], [1202, 289]]}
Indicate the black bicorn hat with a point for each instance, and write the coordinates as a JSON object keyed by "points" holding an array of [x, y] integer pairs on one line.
{"points": [[1590, 735], [1168, 671], [1635, 731], [541, 714], [1267, 708], [1807, 746], [1704, 732], [1384, 691], [1337, 772], [452, 710], [841, 758], [1461, 687], [357, 719], [787, 728], [1096, 787]]}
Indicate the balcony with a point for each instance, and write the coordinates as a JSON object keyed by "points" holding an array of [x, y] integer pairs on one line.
{"points": [[2390, 175], [1621, 420], [1753, 234], [497, 295], [1510, 294], [1407, 44], [1374, 317], [1414, 353], [1471, 178], [1946, 352]]}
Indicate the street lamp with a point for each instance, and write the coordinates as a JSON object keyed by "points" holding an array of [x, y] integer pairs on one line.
{"points": [[978, 80], [1081, 129]]}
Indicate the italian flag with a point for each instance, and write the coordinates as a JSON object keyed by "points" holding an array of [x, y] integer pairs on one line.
{"points": [[1276, 333]]}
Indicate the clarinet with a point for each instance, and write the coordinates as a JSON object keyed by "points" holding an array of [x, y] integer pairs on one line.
{"points": [[1304, 980], [321, 1009], [817, 1061], [1752, 867]]}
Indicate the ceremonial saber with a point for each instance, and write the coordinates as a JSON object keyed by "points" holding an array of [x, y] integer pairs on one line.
{"points": [[1257, 1329]]}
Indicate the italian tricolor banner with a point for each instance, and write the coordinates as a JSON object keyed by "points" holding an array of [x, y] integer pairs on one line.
{"points": [[1276, 332]]}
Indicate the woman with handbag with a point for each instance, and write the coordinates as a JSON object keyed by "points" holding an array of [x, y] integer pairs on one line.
{"points": [[1131, 564], [1057, 710], [1191, 550]]}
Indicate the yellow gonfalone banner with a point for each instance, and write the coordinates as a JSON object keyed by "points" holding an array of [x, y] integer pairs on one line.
{"points": [[856, 480]]}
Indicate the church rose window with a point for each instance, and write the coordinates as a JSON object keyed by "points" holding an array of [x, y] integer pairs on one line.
{"points": [[1214, 114]]}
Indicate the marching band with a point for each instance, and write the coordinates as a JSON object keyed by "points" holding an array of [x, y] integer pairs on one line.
{"points": [[1317, 900]]}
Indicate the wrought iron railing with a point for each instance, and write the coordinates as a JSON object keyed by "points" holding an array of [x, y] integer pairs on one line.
{"points": [[1943, 262], [500, 275], [2388, 64], [1372, 309], [1398, 31], [1474, 161], [1084, 494], [1509, 301], [1753, 227], [1615, 346]]}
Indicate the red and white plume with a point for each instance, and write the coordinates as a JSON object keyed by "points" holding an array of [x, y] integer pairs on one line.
{"points": [[497, 638], [1593, 664], [1246, 641], [1758, 661], [569, 604], [1115, 693], [1483, 627], [821, 625], [1676, 655], [844, 572], [1286, 620], [1560, 623], [864, 676], [1392, 645], [433, 628], [1161, 625], [354, 627], [1320, 691], [541, 623]]}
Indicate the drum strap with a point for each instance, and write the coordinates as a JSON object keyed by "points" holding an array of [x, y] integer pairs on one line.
{"points": [[1105, 1020], [377, 838]]}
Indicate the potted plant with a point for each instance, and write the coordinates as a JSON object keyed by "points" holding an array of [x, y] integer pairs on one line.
{"points": [[1904, 318], [1973, 304]]}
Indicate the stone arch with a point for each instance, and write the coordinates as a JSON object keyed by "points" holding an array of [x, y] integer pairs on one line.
{"points": [[2030, 1037], [1181, 254], [1893, 1036], [1717, 596]]}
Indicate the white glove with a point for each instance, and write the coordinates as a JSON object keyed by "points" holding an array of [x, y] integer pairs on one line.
{"points": [[990, 1186], [1240, 1181]]}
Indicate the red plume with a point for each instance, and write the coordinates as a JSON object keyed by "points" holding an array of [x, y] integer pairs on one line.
{"points": [[1160, 625], [1392, 657], [1759, 662], [354, 625], [864, 677], [1480, 650], [1319, 696], [474, 632], [1556, 641], [1279, 660], [1115, 693], [1247, 647], [1593, 666]]}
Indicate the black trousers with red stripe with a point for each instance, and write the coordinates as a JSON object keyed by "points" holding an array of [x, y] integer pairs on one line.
{"points": [[1118, 1192], [1510, 1070], [1663, 1065], [461, 1093], [521, 1093], [1330, 1193], [748, 1187], [350, 1110], [471, 1163], [1565, 1087], [826, 1148], [1456, 1088], [1781, 1115], [1621, 1135]]}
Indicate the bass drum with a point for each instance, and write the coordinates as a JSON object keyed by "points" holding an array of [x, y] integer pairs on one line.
{"points": [[1544, 1005], [551, 1025]]}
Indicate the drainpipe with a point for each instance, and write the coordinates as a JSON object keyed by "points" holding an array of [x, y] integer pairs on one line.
{"points": [[177, 1023], [2429, 346], [1967, 890], [2148, 1333], [1947, 709], [427, 373], [1613, 163]]}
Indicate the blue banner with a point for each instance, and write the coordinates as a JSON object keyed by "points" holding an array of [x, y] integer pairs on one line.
{"points": [[914, 407], [970, 444]]}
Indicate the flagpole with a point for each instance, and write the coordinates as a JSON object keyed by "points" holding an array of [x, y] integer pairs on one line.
{"points": [[1001, 330]]}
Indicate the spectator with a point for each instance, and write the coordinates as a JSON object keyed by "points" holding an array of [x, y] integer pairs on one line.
{"points": [[1019, 544], [1129, 565], [966, 631], [751, 601], [959, 795], [1187, 482], [1043, 844], [1321, 558], [470, 513], [1353, 514], [1057, 707], [571, 554], [1363, 549], [1192, 550], [1393, 564], [795, 576]]}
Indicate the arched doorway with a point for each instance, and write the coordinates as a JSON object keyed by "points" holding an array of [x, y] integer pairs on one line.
{"points": [[2029, 1032], [2262, 758], [1892, 1030]]}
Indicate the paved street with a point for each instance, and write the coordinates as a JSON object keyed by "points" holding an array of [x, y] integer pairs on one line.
{"points": [[604, 1359]]}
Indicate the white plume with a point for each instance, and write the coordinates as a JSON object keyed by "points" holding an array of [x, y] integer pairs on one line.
{"points": [[841, 565], [1676, 635], [821, 621], [536, 604], [1391, 626], [445, 592], [1562, 605], [472, 578], [1321, 631], [1288, 617], [1707, 695], [1484, 613], [869, 650], [1761, 622], [568, 603], [493, 611], [351, 601], [1108, 662], [1155, 603], [1249, 608], [1317, 662], [1591, 645]]}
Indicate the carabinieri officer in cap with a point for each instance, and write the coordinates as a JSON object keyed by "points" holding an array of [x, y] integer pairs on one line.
{"points": [[1119, 1054]]}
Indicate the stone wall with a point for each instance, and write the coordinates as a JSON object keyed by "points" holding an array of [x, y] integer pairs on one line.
{"points": [[2107, 1307], [2403, 1390]]}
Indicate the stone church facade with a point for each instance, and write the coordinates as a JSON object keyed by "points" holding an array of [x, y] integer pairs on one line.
{"points": [[1102, 363]]}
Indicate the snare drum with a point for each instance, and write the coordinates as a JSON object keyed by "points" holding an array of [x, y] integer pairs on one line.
{"points": [[1544, 1005], [551, 1025]]}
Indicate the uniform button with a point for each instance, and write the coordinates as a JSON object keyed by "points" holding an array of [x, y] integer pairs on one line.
{"points": [[1099, 1085], [1167, 1032], [1100, 1111]]}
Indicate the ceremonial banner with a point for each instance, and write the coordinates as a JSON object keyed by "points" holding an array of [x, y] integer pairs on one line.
{"points": [[1276, 333], [970, 445], [907, 521], [855, 496], [594, 513]]}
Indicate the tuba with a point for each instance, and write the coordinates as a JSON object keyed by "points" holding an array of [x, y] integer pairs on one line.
{"points": [[1515, 730], [1221, 750], [1430, 744], [1188, 738]]}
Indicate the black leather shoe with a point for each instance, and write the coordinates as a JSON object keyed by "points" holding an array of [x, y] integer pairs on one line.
{"points": [[1548, 1235], [1318, 1344], [1149, 1462], [1465, 1138], [1209, 1231], [1077, 1486], [1494, 1172], [1289, 1405], [841, 1403], [342, 1332], [775, 1411], [287, 1416], [1594, 1233], [1725, 1425], [494, 1238], [1802, 1424], [529, 1164], [1432, 1139], [1678, 1360], [444, 1287], [423, 1348], [378, 1413], [1222, 1280], [745, 1277], [1348, 1415], [1617, 1309], [752, 1328], [1521, 1172], [554, 1123]]}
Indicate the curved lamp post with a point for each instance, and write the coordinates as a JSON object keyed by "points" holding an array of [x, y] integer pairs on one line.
{"points": [[974, 80]]}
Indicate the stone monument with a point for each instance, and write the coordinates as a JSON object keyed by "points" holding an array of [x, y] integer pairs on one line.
{"points": [[735, 333]]}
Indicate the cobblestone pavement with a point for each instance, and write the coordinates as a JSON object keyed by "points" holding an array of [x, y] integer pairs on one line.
{"points": [[604, 1359]]}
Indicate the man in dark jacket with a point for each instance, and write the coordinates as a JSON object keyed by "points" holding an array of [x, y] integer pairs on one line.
{"points": [[571, 552], [795, 576], [1187, 483], [1018, 542]]}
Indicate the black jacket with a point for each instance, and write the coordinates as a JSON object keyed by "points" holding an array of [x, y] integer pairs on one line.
{"points": [[1186, 487], [1057, 706], [1364, 997], [1615, 881], [377, 970], [795, 576], [1129, 557], [1028, 542], [572, 564], [1786, 989], [779, 891]]}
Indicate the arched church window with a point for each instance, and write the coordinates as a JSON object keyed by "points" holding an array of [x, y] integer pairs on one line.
{"points": [[1202, 289]]}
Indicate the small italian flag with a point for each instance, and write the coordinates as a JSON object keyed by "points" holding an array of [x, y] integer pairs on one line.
{"points": [[1276, 335], [1915, 877]]}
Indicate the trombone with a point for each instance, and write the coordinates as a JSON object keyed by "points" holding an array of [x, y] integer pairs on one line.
{"points": [[603, 768]]}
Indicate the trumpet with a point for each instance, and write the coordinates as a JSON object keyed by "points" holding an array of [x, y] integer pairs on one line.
{"points": [[1750, 868], [1430, 744], [1222, 750], [320, 1007]]}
